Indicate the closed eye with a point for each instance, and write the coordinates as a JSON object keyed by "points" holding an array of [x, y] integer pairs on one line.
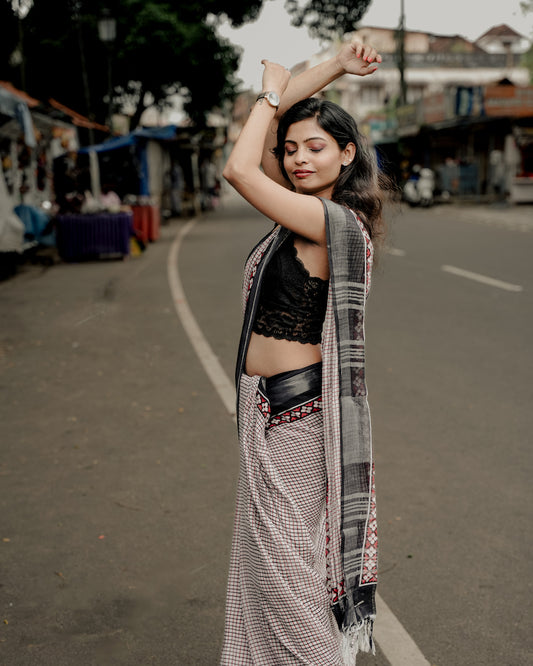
{"points": [[313, 150]]}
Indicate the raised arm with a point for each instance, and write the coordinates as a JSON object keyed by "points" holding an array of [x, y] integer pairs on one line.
{"points": [[299, 212], [354, 57]]}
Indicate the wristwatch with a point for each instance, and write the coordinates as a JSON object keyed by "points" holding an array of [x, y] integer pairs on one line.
{"points": [[271, 97]]}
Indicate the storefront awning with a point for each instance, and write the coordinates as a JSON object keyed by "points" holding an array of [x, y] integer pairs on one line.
{"points": [[14, 107], [166, 133]]}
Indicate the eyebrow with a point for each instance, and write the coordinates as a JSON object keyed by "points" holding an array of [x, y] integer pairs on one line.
{"points": [[313, 138]]}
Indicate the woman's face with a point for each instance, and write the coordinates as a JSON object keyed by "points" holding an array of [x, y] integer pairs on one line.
{"points": [[313, 159]]}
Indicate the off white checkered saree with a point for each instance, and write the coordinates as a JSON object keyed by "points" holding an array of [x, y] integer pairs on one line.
{"points": [[303, 566]]}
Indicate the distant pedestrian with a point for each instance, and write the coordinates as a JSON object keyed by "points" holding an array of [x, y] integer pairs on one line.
{"points": [[208, 174], [177, 188], [304, 557]]}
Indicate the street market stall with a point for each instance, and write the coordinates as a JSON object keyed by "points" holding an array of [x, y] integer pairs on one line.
{"points": [[143, 190]]}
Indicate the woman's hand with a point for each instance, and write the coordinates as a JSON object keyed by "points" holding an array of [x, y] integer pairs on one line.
{"points": [[275, 77], [358, 58]]}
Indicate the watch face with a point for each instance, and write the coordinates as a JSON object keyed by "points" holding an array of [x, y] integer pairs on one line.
{"points": [[272, 98]]}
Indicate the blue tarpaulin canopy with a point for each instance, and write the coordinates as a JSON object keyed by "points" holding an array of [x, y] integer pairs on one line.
{"points": [[154, 133], [137, 137]]}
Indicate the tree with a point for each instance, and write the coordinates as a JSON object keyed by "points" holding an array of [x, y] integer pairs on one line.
{"points": [[527, 58], [161, 47], [327, 19]]}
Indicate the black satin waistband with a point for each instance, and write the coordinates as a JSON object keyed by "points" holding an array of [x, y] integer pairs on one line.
{"points": [[288, 389]]}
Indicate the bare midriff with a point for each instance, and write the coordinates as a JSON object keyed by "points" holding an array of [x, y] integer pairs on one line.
{"points": [[269, 356]]}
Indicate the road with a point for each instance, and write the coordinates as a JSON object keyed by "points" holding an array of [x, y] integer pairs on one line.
{"points": [[119, 461], [449, 367]]}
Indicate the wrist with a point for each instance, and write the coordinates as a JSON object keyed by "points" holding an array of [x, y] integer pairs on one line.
{"points": [[337, 66], [261, 105], [271, 97]]}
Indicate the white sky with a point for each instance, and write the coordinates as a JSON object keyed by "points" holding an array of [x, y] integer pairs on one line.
{"points": [[272, 36]]}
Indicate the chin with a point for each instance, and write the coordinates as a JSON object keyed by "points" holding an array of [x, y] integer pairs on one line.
{"points": [[304, 188]]}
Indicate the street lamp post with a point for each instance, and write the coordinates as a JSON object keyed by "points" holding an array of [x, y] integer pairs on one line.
{"points": [[107, 31]]}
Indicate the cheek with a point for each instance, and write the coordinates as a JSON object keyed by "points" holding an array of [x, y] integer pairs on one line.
{"points": [[287, 163], [331, 161], [335, 166]]}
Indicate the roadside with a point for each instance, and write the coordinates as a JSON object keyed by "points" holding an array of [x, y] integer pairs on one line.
{"points": [[117, 491], [518, 217]]}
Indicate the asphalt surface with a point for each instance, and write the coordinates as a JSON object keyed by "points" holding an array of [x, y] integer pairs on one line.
{"points": [[118, 461], [117, 472]]}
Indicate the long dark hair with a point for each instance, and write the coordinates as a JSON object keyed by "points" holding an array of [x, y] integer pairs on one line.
{"points": [[359, 184]]}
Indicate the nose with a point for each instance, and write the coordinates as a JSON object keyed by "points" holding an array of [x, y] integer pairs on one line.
{"points": [[300, 156]]}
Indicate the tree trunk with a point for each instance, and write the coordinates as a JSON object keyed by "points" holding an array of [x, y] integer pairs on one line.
{"points": [[141, 106]]}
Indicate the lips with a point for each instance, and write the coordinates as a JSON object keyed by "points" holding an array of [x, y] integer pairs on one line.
{"points": [[302, 173]]}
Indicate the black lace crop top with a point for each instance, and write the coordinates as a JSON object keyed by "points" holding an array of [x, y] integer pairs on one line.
{"points": [[292, 304]]}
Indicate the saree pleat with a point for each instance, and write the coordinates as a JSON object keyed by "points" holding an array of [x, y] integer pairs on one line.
{"points": [[278, 609]]}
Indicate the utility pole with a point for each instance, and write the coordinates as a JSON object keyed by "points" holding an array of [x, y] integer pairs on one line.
{"points": [[18, 58], [400, 37]]}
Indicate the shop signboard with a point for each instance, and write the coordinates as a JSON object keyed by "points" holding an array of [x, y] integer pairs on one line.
{"points": [[380, 128], [509, 100], [437, 107], [433, 108]]}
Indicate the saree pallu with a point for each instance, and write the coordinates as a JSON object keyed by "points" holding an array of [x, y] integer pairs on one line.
{"points": [[304, 561]]}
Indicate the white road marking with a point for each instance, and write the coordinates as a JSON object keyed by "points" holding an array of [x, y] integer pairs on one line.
{"points": [[203, 350], [484, 279], [394, 641]]}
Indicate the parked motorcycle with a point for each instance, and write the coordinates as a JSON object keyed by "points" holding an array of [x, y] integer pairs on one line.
{"points": [[420, 187]]}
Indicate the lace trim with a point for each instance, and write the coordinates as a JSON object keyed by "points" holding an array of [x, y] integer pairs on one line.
{"points": [[295, 309], [319, 281]]}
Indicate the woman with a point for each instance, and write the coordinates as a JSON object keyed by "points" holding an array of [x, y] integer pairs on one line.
{"points": [[303, 565]]}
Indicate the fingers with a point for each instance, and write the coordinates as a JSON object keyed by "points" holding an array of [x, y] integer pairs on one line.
{"points": [[369, 54], [357, 47], [364, 51], [367, 69]]}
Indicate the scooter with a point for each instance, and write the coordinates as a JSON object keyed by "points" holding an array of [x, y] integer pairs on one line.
{"points": [[419, 189]]}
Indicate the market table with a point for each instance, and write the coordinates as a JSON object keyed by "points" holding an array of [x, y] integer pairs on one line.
{"points": [[95, 235]]}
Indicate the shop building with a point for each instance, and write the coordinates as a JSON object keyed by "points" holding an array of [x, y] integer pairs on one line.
{"points": [[468, 112], [432, 64]]}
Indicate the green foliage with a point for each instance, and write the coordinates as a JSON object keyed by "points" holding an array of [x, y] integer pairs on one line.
{"points": [[527, 61], [327, 19], [527, 58], [160, 48]]}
